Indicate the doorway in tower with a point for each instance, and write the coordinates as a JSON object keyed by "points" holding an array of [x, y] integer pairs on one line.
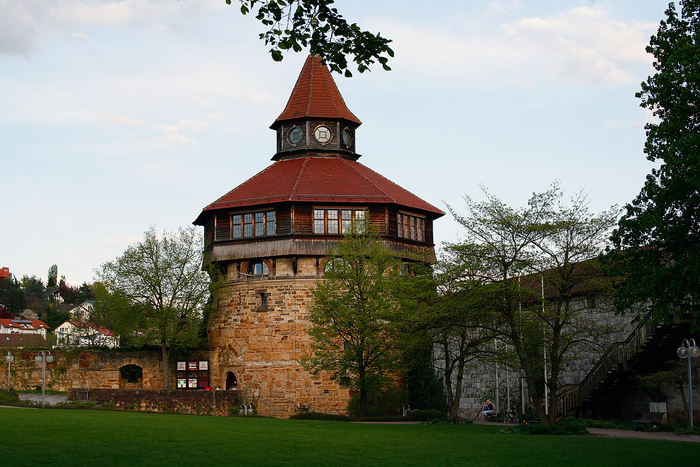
{"points": [[231, 381]]}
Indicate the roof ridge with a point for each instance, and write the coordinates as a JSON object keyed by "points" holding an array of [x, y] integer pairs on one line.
{"points": [[296, 182]]}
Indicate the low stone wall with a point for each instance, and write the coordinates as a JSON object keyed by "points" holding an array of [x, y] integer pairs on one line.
{"points": [[178, 401]]}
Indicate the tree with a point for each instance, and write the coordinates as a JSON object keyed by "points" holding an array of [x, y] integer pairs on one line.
{"points": [[163, 278], [52, 276], [530, 261], [34, 292], [85, 292], [296, 24], [121, 315], [12, 296], [352, 334], [68, 292], [656, 246], [455, 321]]}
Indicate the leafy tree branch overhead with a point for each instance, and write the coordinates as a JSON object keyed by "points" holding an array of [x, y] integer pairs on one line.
{"points": [[297, 24]]}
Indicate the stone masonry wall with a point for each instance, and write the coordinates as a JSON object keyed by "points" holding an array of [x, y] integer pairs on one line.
{"points": [[83, 369], [262, 346], [221, 403], [479, 381]]}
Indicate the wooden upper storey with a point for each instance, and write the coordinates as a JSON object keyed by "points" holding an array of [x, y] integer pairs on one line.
{"points": [[315, 189]]}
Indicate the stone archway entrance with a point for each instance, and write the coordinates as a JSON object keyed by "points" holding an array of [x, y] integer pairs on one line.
{"points": [[231, 381]]}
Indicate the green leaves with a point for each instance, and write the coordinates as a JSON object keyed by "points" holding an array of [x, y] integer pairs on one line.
{"points": [[353, 331], [298, 24], [160, 284], [656, 246]]}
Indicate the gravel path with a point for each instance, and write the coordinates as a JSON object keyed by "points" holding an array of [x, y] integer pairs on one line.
{"points": [[51, 399]]}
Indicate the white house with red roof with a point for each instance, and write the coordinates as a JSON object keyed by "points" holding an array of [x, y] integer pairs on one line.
{"points": [[23, 326], [84, 334]]}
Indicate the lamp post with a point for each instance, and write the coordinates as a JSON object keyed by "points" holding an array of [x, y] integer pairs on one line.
{"points": [[9, 358], [43, 357], [689, 350]]}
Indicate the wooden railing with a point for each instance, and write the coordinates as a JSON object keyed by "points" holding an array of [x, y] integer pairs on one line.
{"points": [[568, 400], [616, 358]]}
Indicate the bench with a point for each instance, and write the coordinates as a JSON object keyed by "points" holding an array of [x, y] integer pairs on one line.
{"points": [[649, 419]]}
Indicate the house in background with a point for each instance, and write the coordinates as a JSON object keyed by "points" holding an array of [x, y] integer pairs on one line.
{"points": [[80, 312], [23, 326], [84, 334]]}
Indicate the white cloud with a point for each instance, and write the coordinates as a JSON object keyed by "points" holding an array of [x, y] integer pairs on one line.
{"points": [[584, 45], [499, 9], [192, 125], [581, 45], [122, 241], [112, 120], [24, 22]]}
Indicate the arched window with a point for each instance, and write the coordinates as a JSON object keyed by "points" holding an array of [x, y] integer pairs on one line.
{"points": [[131, 374], [231, 381]]}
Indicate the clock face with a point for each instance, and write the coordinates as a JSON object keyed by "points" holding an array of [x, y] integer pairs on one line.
{"points": [[295, 135], [347, 138], [323, 134]]}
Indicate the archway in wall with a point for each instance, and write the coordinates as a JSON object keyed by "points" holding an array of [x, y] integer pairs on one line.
{"points": [[131, 377], [231, 381]]}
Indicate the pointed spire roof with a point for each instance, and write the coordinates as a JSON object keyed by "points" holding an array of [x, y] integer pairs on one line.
{"points": [[316, 95]]}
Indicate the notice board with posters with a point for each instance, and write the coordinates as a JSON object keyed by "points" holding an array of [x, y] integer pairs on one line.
{"points": [[192, 374]]}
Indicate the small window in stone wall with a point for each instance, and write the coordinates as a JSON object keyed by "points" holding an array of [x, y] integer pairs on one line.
{"points": [[131, 373]]}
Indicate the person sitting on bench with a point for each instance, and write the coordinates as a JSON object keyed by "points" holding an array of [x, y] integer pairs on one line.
{"points": [[488, 410]]}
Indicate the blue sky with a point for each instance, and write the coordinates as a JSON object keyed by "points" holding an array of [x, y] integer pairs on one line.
{"points": [[116, 115]]}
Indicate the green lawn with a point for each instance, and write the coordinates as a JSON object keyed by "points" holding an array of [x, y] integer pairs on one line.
{"points": [[34, 437]]}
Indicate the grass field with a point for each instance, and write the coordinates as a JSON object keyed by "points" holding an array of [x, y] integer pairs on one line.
{"points": [[33, 437]]}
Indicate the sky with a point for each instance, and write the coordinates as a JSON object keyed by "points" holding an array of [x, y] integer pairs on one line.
{"points": [[120, 115]]}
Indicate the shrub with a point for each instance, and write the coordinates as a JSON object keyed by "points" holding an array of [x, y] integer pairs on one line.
{"points": [[568, 426], [9, 397], [319, 416], [424, 415], [381, 402]]}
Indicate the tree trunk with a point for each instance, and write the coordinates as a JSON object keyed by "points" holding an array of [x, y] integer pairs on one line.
{"points": [[363, 393], [458, 388], [166, 365]]}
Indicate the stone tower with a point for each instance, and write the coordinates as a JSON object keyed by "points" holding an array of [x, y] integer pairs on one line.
{"points": [[270, 235]]}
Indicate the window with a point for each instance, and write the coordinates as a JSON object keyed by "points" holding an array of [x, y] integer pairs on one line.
{"points": [[338, 221], [131, 373], [258, 268], [409, 226], [256, 224]]}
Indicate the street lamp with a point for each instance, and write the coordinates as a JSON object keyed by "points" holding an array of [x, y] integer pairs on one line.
{"points": [[43, 357], [689, 350], [9, 358]]}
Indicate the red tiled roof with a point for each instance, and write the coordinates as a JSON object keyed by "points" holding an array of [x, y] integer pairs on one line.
{"points": [[19, 324], [83, 324], [316, 95], [23, 340], [319, 180]]}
